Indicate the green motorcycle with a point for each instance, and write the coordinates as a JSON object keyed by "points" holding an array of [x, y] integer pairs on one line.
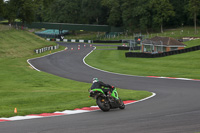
{"points": [[107, 100]]}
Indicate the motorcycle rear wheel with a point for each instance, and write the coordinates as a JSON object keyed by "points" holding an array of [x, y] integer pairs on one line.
{"points": [[101, 102], [121, 106]]}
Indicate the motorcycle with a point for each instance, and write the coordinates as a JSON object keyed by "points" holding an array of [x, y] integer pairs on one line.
{"points": [[107, 100]]}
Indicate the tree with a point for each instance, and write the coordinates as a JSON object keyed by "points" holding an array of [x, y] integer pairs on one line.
{"points": [[162, 11], [10, 11], [26, 10], [194, 8], [181, 14], [115, 13], [41, 7], [64, 11], [92, 11], [47, 3], [1, 8], [136, 14], [21, 9]]}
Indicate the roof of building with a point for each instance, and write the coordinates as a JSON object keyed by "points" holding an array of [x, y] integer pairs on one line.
{"points": [[163, 41]]}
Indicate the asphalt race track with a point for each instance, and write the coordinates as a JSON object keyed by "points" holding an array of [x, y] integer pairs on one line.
{"points": [[174, 109]]}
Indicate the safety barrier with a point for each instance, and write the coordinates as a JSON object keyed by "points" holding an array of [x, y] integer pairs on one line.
{"points": [[155, 55], [127, 48], [48, 48], [69, 40], [101, 41]]}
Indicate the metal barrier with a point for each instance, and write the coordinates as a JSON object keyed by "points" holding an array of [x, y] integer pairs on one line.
{"points": [[48, 48], [155, 55], [70, 40]]}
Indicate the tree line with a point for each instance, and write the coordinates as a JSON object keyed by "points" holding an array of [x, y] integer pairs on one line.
{"points": [[135, 15]]}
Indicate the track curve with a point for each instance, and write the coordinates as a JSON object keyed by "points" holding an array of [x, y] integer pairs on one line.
{"points": [[174, 109]]}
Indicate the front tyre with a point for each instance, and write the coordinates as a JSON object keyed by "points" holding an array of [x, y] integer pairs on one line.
{"points": [[103, 104], [121, 104]]}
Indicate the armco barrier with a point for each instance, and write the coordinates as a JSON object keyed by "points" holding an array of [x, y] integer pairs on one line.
{"points": [[127, 48], [100, 41], [69, 40], [183, 50], [122, 48], [155, 55], [48, 48]]}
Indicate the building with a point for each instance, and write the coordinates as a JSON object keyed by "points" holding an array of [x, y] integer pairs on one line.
{"points": [[161, 44]]}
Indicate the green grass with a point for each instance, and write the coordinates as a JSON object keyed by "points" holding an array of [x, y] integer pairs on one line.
{"points": [[185, 65], [3, 27], [178, 33], [33, 92], [192, 43], [17, 43]]}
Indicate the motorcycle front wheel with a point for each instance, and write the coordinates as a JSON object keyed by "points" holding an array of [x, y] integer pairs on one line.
{"points": [[103, 104]]}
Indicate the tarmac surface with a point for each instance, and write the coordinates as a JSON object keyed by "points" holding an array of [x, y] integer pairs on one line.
{"points": [[174, 109]]}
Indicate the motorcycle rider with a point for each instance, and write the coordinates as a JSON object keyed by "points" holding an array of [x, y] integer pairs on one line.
{"points": [[100, 85], [108, 90]]}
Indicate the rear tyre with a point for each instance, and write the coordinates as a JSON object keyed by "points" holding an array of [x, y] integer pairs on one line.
{"points": [[121, 106], [103, 104]]}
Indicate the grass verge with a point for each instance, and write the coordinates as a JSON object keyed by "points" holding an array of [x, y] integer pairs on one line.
{"points": [[185, 65]]}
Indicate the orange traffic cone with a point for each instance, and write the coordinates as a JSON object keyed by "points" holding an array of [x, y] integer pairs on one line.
{"points": [[15, 110]]}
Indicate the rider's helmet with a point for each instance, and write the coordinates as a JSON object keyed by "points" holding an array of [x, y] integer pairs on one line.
{"points": [[95, 80]]}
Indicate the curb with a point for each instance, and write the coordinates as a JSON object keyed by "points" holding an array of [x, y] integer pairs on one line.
{"points": [[173, 78], [66, 112]]}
